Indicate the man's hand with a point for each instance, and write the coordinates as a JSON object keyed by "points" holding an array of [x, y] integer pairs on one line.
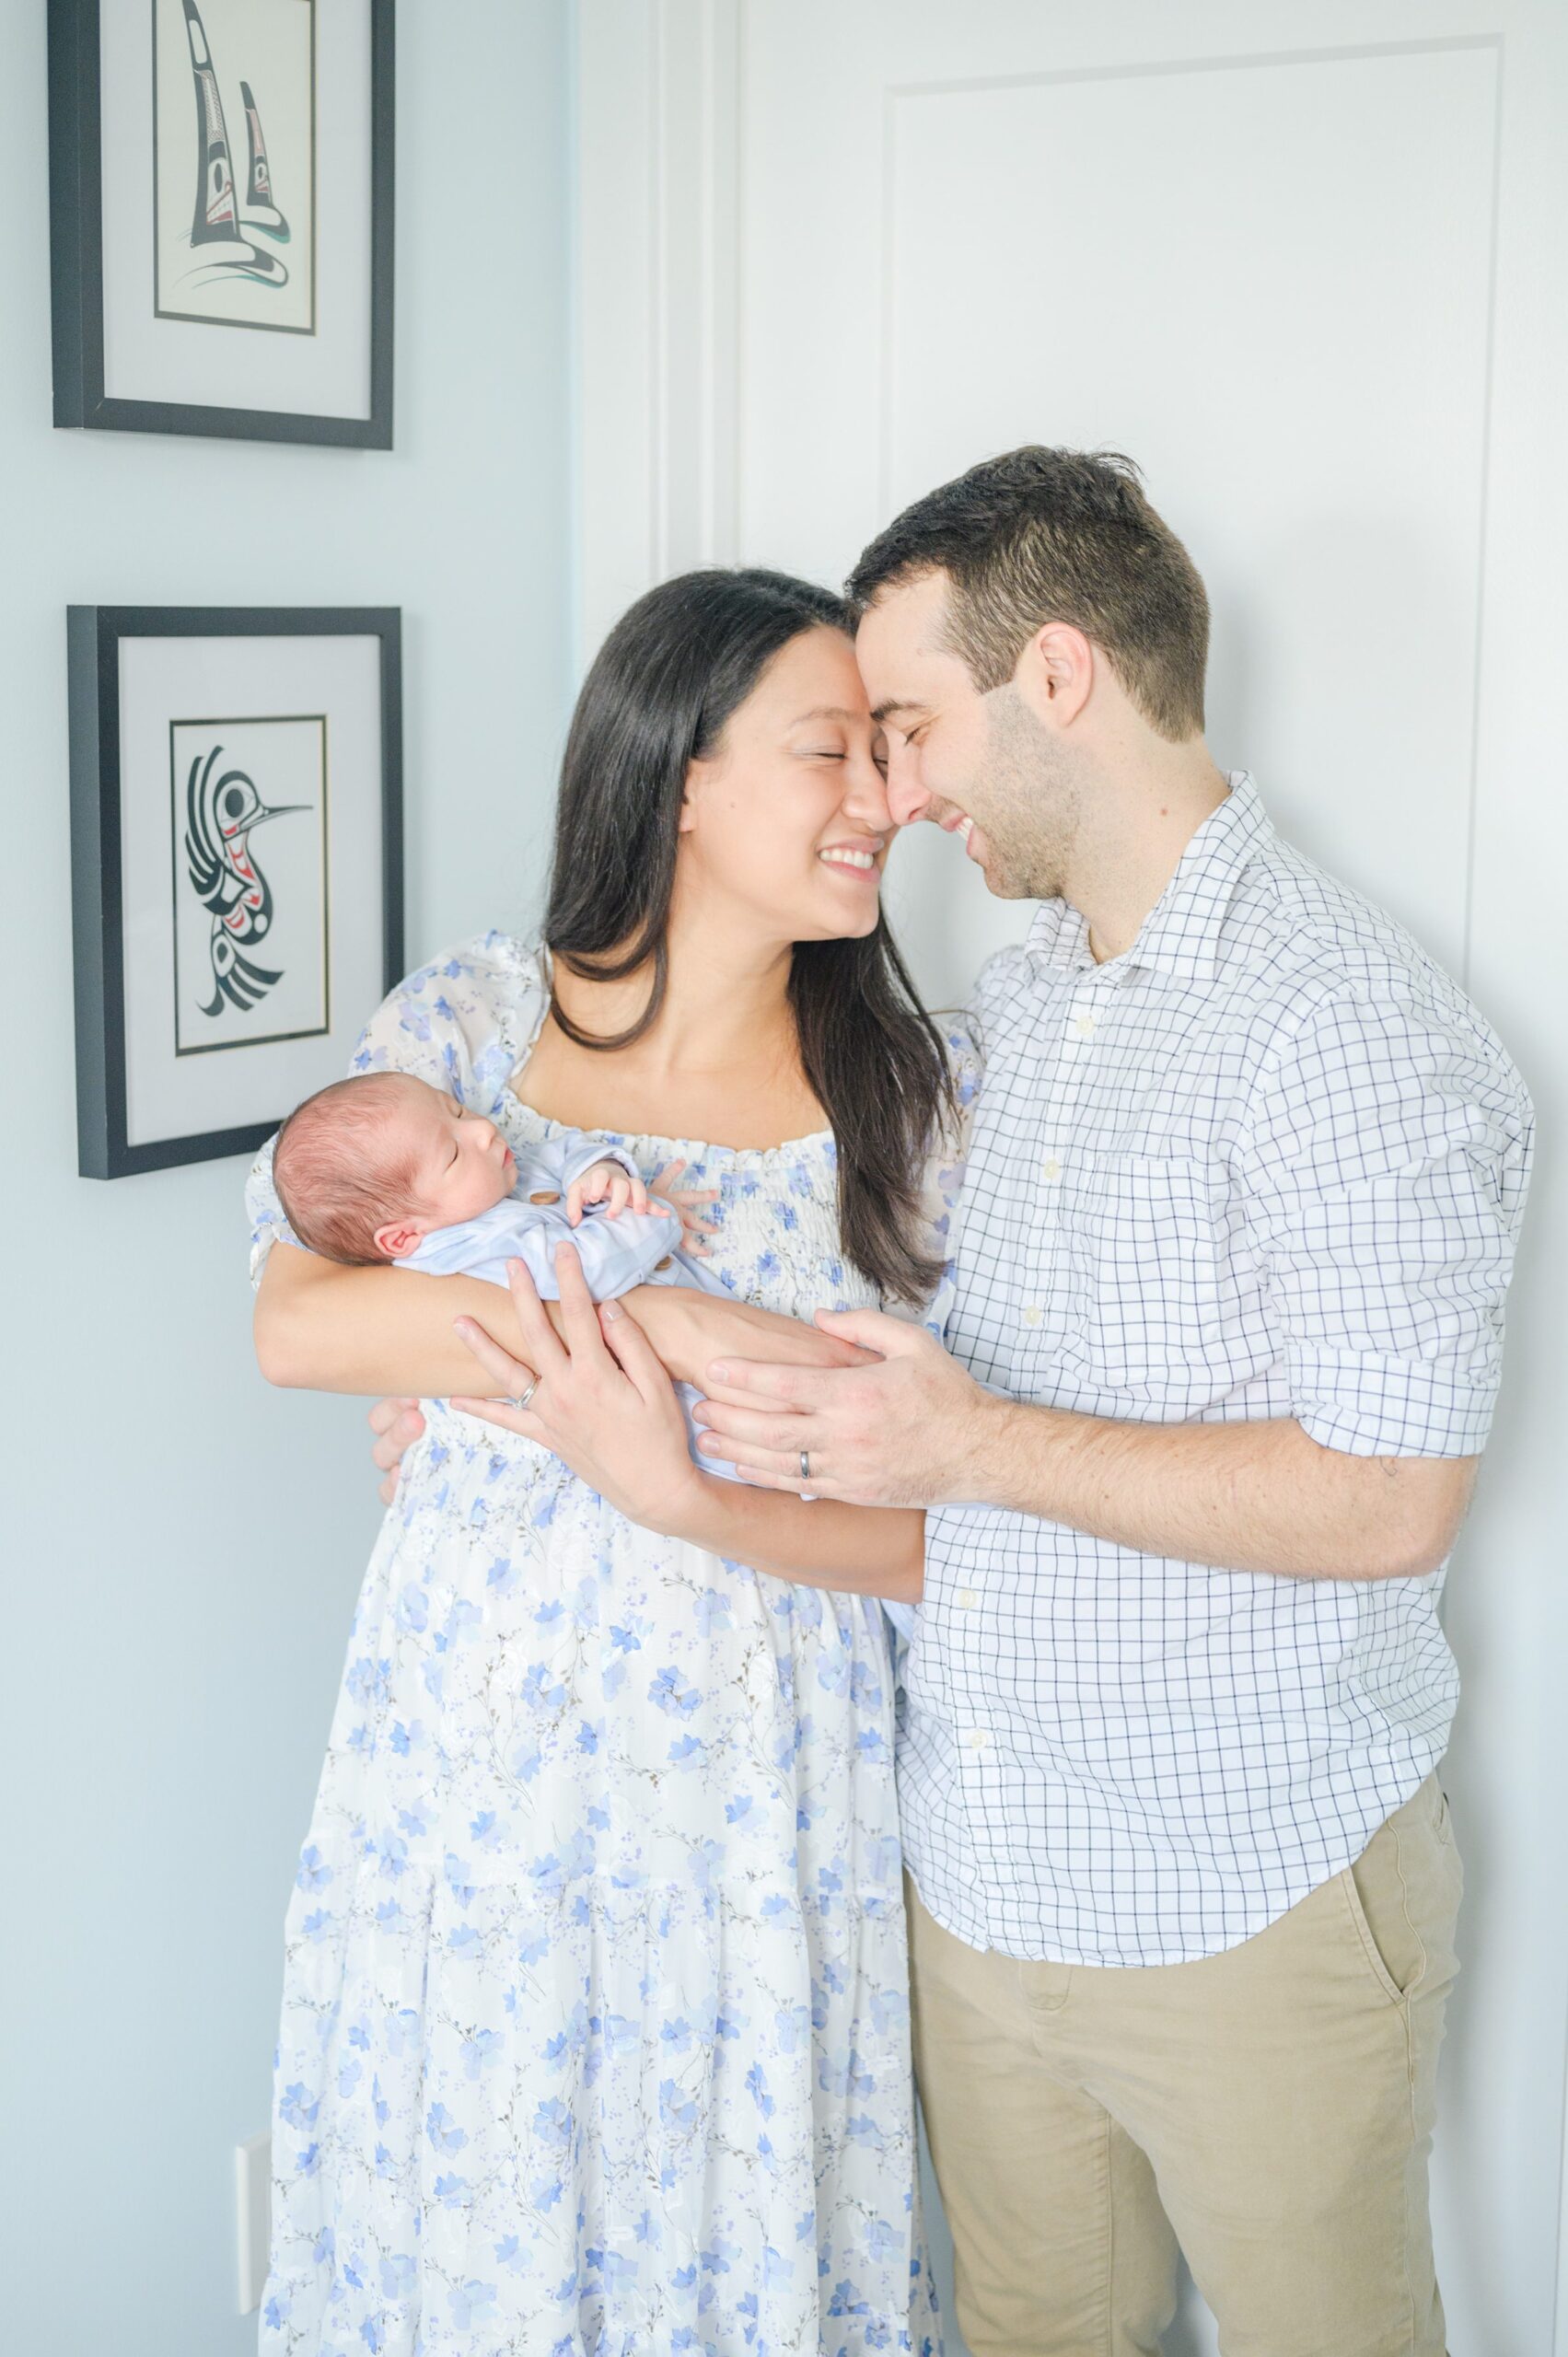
{"points": [[1255, 1497], [904, 1432], [397, 1424]]}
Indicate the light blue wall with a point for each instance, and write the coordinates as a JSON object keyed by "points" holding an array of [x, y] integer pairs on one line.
{"points": [[181, 1546]]}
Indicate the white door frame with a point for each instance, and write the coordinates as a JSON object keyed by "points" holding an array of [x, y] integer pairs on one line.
{"points": [[656, 345]]}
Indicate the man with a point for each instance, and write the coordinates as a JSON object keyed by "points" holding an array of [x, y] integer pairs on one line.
{"points": [[1241, 1201]]}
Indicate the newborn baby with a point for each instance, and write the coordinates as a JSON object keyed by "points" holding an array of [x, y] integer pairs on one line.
{"points": [[386, 1168]]}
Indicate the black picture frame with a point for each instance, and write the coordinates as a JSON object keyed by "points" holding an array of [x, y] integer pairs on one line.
{"points": [[93, 640], [75, 191]]}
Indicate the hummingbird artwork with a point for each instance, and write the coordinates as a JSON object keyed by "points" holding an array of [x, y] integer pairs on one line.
{"points": [[221, 812]]}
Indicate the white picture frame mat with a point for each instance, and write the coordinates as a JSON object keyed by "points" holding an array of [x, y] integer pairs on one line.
{"points": [[183, 361]]}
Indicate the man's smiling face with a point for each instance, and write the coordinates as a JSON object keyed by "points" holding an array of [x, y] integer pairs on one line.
{"points": [[979, 766]]}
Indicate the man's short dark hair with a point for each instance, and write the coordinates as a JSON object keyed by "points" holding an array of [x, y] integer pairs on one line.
{"points": [[1067, 536]]}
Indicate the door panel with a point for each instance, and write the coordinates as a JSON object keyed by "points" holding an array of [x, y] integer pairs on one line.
{"points": [[1271, 282]]}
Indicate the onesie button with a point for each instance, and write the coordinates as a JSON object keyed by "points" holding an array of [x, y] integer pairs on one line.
{"points": [[544, 1199], [665, 1263]]}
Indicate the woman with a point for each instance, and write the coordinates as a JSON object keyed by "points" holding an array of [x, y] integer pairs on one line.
{"points": [[595, 2030]]}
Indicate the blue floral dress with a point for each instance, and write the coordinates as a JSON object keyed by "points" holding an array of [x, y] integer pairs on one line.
{"points": [[595, 2033]]}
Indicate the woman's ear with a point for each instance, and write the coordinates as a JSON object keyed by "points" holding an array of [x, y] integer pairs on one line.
{"points": [[688, 792]]}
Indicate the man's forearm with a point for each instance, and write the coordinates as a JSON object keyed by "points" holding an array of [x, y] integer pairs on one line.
{"points": [[1245, 1497]]}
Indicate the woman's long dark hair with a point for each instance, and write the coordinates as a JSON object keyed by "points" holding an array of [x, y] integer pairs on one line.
{"points": [[663, 687]]}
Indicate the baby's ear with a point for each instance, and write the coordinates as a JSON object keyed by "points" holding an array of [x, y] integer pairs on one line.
{"points": [[397, 1240]]}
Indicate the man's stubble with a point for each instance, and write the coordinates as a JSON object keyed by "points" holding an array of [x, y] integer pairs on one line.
{"points": [[1034, 795]]}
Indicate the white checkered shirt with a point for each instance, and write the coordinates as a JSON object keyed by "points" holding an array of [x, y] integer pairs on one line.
{"points": [[1270, 1162]]}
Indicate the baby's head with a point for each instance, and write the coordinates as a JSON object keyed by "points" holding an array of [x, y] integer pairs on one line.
{"points": [[366, 1169]]}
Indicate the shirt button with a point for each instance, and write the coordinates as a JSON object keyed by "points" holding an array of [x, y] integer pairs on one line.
{"points": [[1051, 1169], [1084, 1023], [1030, 1313], [967, 1598], [975, 1739]]}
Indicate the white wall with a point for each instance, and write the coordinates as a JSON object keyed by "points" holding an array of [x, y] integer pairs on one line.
{"points": [[181, 1546]]}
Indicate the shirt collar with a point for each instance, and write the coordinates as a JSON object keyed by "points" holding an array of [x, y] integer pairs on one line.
{"points": [[1180, 933]]}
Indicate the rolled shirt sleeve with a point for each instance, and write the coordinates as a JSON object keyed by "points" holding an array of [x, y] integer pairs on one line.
{"points": [[1383, 1174]]}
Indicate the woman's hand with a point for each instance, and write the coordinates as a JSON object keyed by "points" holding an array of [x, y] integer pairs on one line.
{"points": [[602, 1402], [689, 1329], [684, 1200], [397, 1424]]}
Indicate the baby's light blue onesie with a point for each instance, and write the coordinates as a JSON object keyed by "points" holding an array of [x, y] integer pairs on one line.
{"points": [[633, 1249]]}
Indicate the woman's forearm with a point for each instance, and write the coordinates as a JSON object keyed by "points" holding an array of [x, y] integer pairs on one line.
{"points": [[323, 1328], [860, 1551], [320, 1327]]}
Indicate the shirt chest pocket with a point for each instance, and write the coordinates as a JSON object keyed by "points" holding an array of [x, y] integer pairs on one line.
{"points": [[1141, 1256]]}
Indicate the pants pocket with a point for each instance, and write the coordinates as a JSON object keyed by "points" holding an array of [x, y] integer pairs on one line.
{"points": [[1402, 1894]]}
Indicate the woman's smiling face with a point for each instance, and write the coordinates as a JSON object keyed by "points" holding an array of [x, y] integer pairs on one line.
{"points": [[789, 819]]}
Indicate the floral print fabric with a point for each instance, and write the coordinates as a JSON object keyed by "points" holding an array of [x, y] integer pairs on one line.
{"points": [[595, 2032]]}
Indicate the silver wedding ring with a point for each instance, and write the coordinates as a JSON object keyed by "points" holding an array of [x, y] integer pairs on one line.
{"points": [[521, 1402], [806, 1465]]}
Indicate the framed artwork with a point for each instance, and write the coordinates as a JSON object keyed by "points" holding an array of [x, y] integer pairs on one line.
{"points": [[221, 192], [237, 867]]}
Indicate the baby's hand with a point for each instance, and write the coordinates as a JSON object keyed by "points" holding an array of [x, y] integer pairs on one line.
{"points": [[683, 1201], [609, 1184]]}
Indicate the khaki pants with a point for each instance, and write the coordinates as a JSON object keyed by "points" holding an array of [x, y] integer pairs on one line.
{"points": [[1269, 2109]]}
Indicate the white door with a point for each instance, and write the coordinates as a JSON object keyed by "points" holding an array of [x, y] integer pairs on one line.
{"points": [[1305, 261]]}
